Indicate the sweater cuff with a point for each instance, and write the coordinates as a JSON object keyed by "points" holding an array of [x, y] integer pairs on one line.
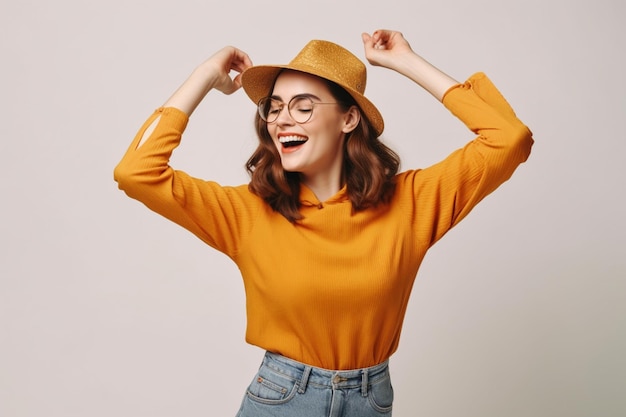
{"points": [[475, 79], [173, 116]]}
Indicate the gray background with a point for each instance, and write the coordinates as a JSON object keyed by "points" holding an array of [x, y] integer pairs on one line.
{"points": [[106, 309]]}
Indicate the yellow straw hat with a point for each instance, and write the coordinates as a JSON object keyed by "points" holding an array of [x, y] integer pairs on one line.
{"points": [[323, 59]]}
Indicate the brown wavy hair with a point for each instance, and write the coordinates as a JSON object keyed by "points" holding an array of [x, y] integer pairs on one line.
{"points": [[368, 168]]}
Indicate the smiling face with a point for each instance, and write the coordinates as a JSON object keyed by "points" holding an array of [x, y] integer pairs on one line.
{"points": [[313, 148]]}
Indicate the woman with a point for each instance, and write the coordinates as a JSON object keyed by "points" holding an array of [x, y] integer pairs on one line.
{"points": [[328, 236]]}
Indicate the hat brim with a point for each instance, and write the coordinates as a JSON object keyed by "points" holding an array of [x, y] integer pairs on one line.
{"points": [[258, 81]]}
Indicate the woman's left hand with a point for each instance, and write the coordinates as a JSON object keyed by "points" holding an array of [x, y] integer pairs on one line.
{"points": [[389, 49], [384, 48]]}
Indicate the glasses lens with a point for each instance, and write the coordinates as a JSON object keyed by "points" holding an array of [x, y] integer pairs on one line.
{"points": [[301, 109], [269, 109]]}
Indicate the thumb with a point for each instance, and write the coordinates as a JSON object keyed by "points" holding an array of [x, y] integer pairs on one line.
{"points": [[237, 82], [367, 39]]}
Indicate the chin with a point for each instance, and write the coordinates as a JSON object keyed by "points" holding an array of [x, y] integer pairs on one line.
{"points": [[291, 169]]}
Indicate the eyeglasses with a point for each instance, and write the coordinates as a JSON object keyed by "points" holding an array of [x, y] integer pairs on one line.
{"points": [[300, 108]]}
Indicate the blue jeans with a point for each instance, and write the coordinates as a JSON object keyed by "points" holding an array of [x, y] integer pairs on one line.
{"points": [[284, 387]]}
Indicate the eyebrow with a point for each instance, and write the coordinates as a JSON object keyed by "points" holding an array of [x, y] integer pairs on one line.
{"points": [[306, 95]]}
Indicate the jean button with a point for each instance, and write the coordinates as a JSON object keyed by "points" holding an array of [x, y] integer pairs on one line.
{"points": [[337, 379]]}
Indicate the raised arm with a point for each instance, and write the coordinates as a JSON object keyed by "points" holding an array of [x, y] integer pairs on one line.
{"points": [[469, 174], [214, 73], [389, 49], [217, 215]]}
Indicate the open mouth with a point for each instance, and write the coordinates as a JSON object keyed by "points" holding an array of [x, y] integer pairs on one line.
{"points": [[291, 141]]}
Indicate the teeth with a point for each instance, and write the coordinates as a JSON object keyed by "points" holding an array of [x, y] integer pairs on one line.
{"points": [[286, 139]]}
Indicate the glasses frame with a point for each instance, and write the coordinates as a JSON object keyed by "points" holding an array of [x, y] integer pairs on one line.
{"points": [[314, 103]]}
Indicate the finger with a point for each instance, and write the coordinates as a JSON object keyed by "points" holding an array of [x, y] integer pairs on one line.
{"points": [[380, 35], [367, 39], [370, 43], [379, 39], [237, 83], [239, 66], [235, 59], [243, 60]]}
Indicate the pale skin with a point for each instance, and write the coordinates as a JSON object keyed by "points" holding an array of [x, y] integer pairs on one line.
{"points": [[384, 48], [319, 160]]}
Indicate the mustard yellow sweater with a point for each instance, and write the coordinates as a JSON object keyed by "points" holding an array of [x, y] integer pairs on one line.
{"points": [[331, 291]]}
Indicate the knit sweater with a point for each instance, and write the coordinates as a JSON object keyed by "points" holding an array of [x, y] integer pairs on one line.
{"points": [[331, 290]]}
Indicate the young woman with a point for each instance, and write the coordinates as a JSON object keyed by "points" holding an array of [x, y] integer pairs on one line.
{"points": [[327, 235]]}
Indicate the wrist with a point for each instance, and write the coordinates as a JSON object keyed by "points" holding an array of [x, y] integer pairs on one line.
{"points": [[205, 74]]}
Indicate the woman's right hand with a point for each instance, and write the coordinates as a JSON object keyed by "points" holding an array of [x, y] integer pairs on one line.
{"points": [[223, 62], [214, 73]]}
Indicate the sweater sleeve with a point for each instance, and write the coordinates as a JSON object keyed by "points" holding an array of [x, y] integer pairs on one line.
{"points": [[218, 215], [446, 192]]}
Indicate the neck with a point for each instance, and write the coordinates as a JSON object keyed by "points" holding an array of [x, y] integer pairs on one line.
{"points": [[323, 188]]}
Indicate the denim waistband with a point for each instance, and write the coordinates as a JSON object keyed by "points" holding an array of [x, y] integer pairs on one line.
{"points": [[336, 379]]}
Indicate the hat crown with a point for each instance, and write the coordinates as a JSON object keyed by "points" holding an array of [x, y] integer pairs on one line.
{"points": [[333, 62]]}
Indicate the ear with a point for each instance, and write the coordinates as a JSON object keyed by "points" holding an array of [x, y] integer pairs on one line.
{"points": [[351, 119]]}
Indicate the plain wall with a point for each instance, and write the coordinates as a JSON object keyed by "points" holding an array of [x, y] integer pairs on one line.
{"points": [[107, 309]]}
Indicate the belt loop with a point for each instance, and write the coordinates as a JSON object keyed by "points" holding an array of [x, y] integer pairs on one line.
{"points": [[364, 382], [304, 380]]}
